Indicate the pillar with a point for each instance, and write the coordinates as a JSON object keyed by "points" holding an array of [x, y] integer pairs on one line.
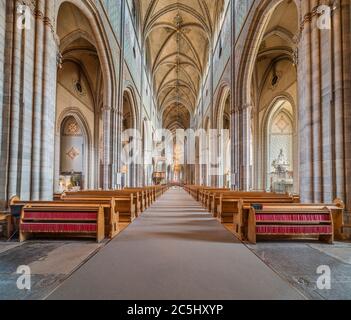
{"points": [[305, 106], [6, 24], [15, 106], [37, 100], [245, 115], [106, 115], [234, 136], [48, 104], [343, 113]]}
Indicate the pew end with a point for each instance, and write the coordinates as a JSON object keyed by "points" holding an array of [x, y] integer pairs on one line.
{"points": [[290, 223], [65, 220]]}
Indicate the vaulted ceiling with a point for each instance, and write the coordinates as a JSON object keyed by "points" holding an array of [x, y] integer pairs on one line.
{"points": [[279, 41], [178, 36]]}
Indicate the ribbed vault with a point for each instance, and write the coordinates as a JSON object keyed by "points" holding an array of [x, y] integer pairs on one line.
{"points": [[177, 38]]}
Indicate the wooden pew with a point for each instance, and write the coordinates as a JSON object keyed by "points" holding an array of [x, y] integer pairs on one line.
{"points": [[111, 215], [62, 220], [124, 203], [240, 218], [230, 202], [5, 217], [193, 190], [215, 197], [160, 190], [206, 196], [145, 196], [57, 196], [337, 209], [151, 193], [290, 223], [108, 193]]}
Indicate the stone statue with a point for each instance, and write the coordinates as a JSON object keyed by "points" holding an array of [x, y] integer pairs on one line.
{"points": [[281, 164]]}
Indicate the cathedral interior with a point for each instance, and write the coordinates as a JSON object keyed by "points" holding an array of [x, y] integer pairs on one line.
{"points": [[175, 149]]}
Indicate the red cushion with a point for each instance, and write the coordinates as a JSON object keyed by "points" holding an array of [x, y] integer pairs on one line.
{"points": [[59, 227], [293, 217], [294, 230], [32, 215]]}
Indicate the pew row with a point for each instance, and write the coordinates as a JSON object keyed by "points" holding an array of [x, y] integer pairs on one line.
{"points": [[205, 196], [336, 208], [111, 215], [230, 204], [290, 223], [66, 220], [5, 219], [218, 197], [194, 191], [126, 204]]}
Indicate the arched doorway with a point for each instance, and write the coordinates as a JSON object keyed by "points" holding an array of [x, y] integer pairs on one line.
{"points": [[74, 155], [279, 147]]}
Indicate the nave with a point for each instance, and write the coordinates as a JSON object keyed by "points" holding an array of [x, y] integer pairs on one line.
{"points": [[105, 105], [175, 250]]}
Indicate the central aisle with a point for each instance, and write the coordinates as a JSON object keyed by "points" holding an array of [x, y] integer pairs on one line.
{"points": [[175, 250]]}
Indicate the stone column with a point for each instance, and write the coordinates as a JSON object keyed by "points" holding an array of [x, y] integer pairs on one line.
{"points": [[27, 94], [115, 136], [324, 92], [139, 165], [245, 148], [148, 159], [119, 119], [113, 148], [326, 192], [317, 147], [197, 164], [48, 104], [119, 109], [213, 166], [233, 108], [221, 154], [234, 140], [344, 90], [6, 25], [206, 160], [339, 141], [37, 100], [15, 107], [106, 115], [305, 106]]}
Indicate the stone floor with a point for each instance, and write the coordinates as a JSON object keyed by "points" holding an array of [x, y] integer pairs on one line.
{"points": [[177, 236], [50, 262], [298, 263]]}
